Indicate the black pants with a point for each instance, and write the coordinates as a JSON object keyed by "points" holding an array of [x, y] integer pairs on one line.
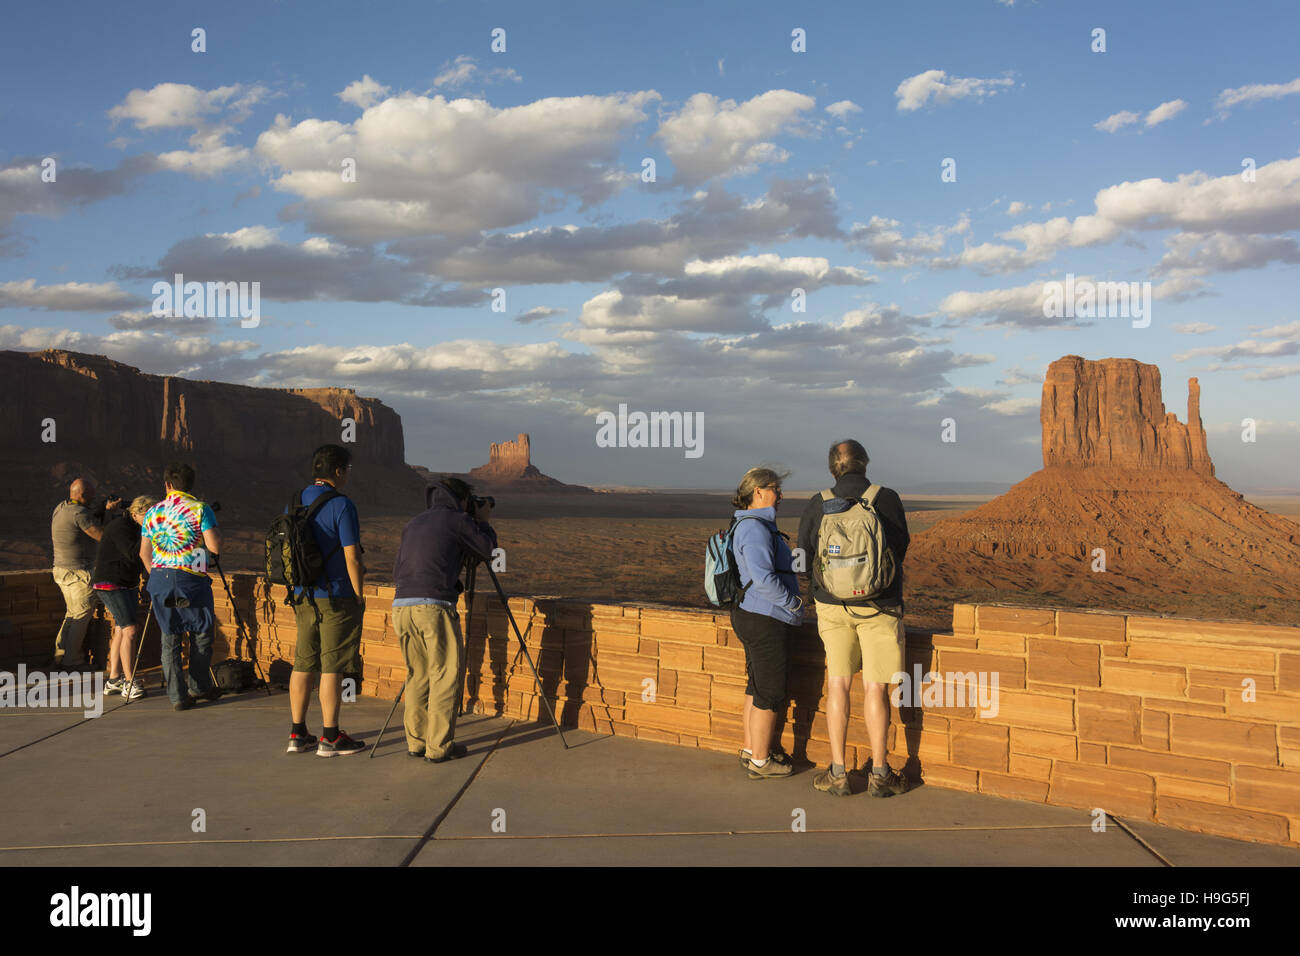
{"points": [[767, 656]]}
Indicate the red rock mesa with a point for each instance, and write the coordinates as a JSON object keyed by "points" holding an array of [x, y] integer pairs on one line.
{"points": [[1125, 480]]}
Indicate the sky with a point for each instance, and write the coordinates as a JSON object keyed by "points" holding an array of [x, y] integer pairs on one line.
{"points": [[800, 224]]}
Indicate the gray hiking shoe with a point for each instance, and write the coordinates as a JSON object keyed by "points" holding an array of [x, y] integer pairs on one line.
{"points": [[827, 782], [886, 785]]}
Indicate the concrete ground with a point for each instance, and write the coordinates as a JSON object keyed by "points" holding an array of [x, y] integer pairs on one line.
{"points": [[127, 789]]}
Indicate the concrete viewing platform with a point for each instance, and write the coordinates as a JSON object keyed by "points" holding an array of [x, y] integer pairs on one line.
{"points": [[130, 788]]}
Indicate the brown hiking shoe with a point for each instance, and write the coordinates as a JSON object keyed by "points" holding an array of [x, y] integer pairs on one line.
{"points": [[769, 769], [827, 782], [779, 755], [887, 785]]}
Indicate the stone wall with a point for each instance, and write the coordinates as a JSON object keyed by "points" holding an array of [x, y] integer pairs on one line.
{"points": [[1190, 724]]}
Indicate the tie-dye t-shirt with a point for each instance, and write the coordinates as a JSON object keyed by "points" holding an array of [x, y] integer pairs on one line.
{"points": [[175, 527]]}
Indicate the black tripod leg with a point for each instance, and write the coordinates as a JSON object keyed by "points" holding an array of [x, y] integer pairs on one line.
{"points": [[537, 681], [396, 701]]}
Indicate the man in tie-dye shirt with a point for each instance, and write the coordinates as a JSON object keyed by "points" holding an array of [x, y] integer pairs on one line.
{"points": [[178, 539]]}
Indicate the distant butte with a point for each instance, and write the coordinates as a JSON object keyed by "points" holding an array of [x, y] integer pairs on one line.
{"points": [[510, 468]]}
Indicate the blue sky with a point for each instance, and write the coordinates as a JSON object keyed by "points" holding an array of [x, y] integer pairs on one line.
{"points": [[521, 171]]}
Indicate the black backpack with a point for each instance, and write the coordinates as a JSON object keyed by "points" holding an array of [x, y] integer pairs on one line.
{"points": [[235, 676], [292, 556]]}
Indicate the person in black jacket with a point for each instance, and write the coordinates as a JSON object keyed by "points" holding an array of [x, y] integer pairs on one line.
{"points": [[862, 633], [116, 580], [427, 575]]}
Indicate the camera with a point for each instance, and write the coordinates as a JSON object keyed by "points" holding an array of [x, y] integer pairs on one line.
{"points": [[477, 502]]}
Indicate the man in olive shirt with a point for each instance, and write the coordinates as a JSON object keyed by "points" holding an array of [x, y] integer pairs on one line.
{"points": [[75, 529]]}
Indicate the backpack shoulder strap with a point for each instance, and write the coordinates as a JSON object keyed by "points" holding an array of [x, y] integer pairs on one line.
{"points": [[828, 494], [872, 493], [321, 501]]}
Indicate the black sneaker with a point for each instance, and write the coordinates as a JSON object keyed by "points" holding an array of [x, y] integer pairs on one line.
{"points": [[415, 753], [214, 693], [186, 704], [340, 746], [301, 743], [888, 784], [454, 753]]}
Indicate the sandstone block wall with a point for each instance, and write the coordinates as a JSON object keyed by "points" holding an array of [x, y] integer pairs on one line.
{"points": [[1190, 724], [1141, 716]]}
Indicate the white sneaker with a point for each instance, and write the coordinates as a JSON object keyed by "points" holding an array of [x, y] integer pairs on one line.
{"points": [[114, 685], [134, 690]]}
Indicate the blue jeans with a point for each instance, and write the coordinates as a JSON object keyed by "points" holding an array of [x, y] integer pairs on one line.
{"points": [[182, 604]]}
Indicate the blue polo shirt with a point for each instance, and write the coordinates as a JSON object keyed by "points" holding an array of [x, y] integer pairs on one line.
{"points": [[335, 527]]}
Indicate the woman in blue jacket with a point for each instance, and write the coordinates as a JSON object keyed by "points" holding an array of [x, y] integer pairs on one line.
{"points": [[765, 618]]}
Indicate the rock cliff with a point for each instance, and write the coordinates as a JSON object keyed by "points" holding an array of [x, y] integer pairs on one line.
{"points": [[1110, 412], [251, 446]]}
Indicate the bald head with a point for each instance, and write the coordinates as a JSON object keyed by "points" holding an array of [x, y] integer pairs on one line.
{"points": [[81, 490]]}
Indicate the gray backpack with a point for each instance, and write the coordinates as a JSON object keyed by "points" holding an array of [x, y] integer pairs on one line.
{"points": [[853, 562]]}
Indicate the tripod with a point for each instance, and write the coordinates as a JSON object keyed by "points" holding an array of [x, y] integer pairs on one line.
{"points": [[240, 630], [471, 565]]}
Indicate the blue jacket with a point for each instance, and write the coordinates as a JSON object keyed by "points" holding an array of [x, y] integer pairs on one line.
{"points": [[763, 557]]}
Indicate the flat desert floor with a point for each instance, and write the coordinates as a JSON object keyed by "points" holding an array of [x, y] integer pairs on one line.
{"points": [[648, 547]]}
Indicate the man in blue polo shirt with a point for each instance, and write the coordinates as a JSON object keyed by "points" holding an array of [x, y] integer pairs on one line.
{"points": [[329, 616]]}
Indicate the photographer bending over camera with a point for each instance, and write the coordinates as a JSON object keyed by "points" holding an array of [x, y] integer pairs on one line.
{"points": [[427, 575]]}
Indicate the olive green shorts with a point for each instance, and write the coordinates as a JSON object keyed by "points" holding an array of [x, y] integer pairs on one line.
{"points": [[331, 645], [861, 639]]}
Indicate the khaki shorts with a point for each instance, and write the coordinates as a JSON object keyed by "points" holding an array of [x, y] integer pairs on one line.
{"points": [[331, 645], [75, 586], [861, 639]]}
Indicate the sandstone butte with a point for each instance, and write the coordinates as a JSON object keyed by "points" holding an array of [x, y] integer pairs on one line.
{"points": [[1121, 480], [510, 468], [251, 446]]}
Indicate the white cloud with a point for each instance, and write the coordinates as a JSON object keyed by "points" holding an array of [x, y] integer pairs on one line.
{"points": [[212, 114], [365, 92], [1165, 111], [465, 70], [843, 109], [1193, 253], [1253, 93], [1194, 202], [432, 166], [916, 91], [884, 240], [1248, 348], [1116, 121], [64, 297], [1020, 306], [1289, 331], [1195, 328], [1016, 207], [710, 138]]}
